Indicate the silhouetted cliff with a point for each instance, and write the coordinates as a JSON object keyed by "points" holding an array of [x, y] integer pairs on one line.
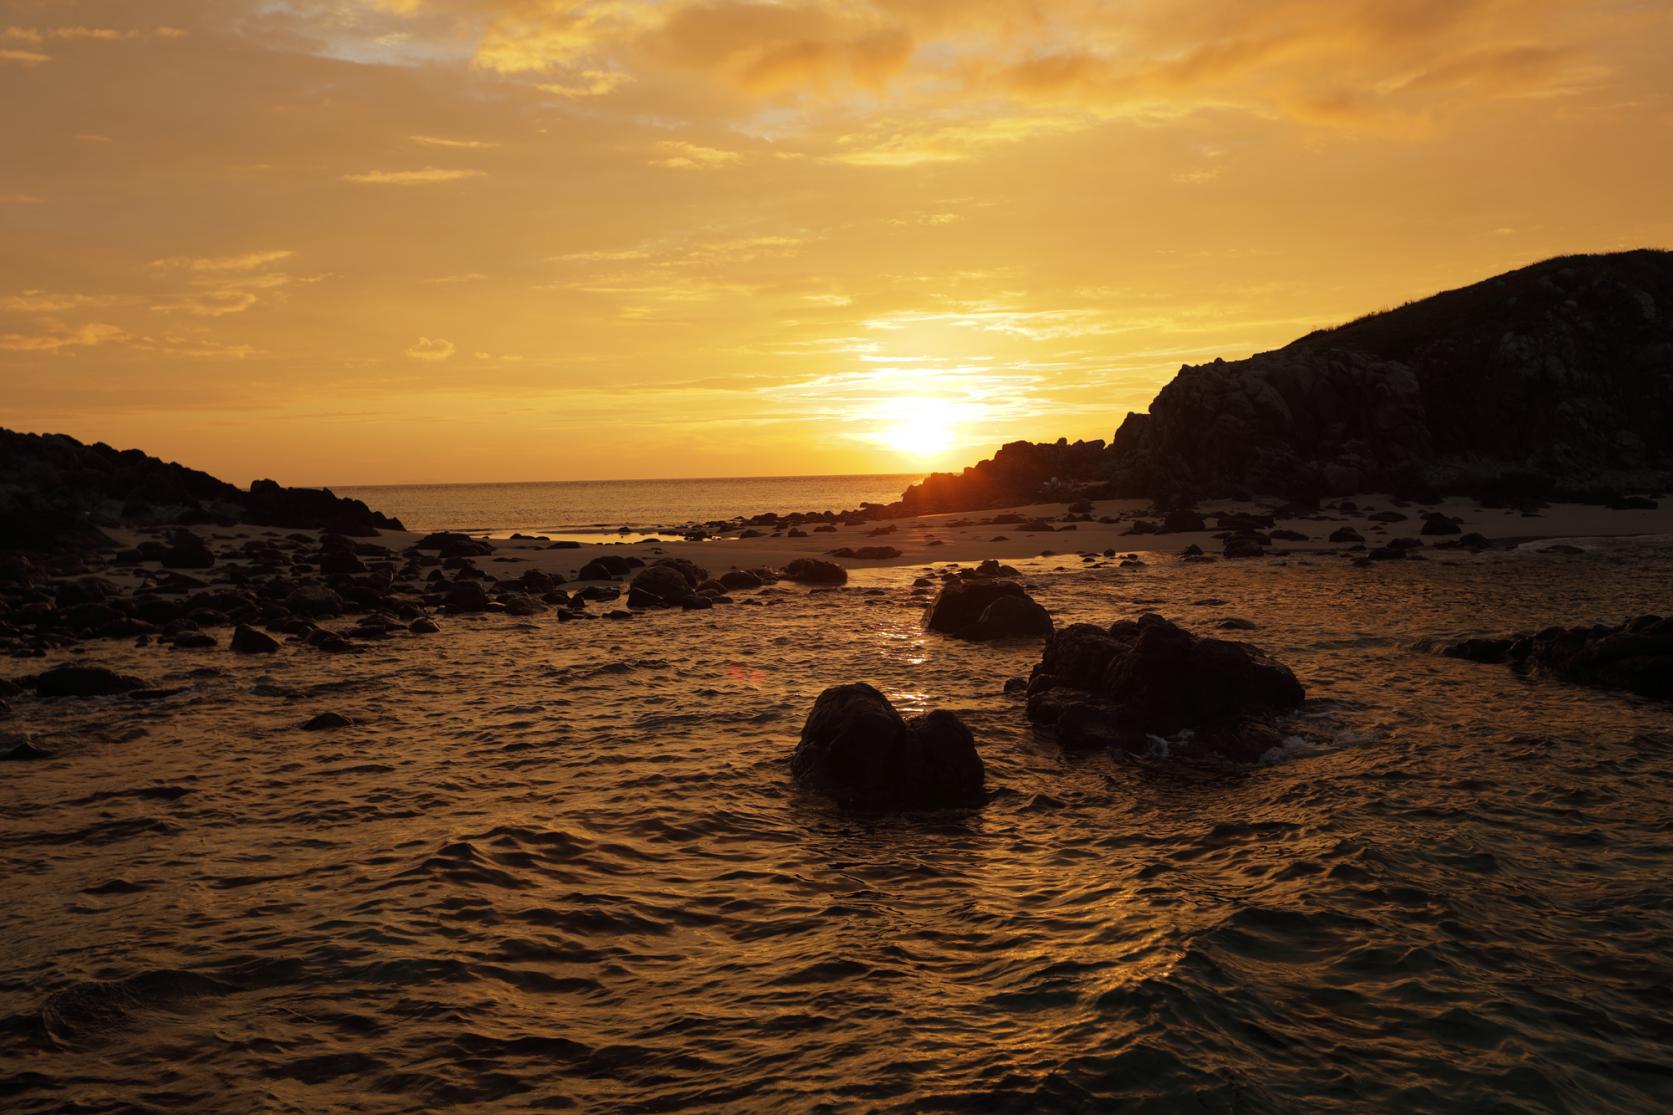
{"points": [[56, 492], [1554, 376]]}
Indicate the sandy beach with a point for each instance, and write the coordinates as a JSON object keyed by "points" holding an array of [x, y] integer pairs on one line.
{"points": [[968, 537]]}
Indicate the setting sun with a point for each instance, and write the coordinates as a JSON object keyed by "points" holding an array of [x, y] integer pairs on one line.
{"points": [[920, 428]]}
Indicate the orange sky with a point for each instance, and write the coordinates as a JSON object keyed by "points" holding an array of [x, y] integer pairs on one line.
{"points": [[362, 241]]}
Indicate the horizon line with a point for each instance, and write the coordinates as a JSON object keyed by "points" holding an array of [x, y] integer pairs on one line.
{"points": [[623, 480]]}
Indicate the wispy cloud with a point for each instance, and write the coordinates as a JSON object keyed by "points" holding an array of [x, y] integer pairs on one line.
{"points": [[427, 176], [431, 349], [439, 141], [248, 261]]}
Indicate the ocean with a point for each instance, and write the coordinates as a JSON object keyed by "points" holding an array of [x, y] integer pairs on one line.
{"points": [[584, 507], [564, 866]]}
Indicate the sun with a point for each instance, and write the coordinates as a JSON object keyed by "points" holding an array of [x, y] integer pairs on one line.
{"points": [[919, 427]]}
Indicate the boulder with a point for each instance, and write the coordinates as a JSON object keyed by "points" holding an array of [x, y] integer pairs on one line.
{"points": [[326, 721], [1012, 617], [1436, 523], [813, 571], [608, 566], [314, 601], [740, 579], [466, 596], [986, 608], [858, 749], [84, 681], [1636, 656], [662, 585], [521, 604], [247, 640], [1180, 522], [1346, 534], [1123, 685]]}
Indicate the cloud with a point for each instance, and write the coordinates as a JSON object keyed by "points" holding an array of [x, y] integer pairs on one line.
{"points": [[679, 155], [586, 83], [24, 57], [423, 177], [21, 199], [58, 337], [439, 141], [46, 302], [248, 261], [433, 350], [467, 277]]}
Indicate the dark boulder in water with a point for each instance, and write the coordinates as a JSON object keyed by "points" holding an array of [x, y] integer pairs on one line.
{"points": [[985, 608], [1135, 680], [858, 749], [608, 566], [466, 596], [664, 584], [521, 604], [740, 579], [247, 640], [812, 571], [1636, 656], [326, 721], [84, 681]]}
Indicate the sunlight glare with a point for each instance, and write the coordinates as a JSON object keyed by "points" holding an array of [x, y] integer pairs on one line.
{"points": [[919, 427]]}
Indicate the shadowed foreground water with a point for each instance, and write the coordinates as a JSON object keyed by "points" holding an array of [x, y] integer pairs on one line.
{"points": [[563, 866]]}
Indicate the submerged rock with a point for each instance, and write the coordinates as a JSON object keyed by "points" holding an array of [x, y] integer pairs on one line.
{"points": [[247, 640], [1636, 656], [21, 751], [858, 749], [326, 721], [1135, 680], [84, 681]]}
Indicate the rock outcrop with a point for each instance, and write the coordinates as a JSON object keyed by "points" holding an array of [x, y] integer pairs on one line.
{"points": [[1139, 681], [1554, 378], [1636, 656], [856, 748], [57, 493]]}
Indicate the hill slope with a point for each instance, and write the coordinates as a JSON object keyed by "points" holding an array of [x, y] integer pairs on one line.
{"points": [[56, 491]]}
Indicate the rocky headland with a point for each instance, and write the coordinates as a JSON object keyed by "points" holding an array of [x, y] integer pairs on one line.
{"points": [[1554, 381]]}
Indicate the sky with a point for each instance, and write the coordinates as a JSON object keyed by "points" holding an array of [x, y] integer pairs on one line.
{"points": [[388, 241]]}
